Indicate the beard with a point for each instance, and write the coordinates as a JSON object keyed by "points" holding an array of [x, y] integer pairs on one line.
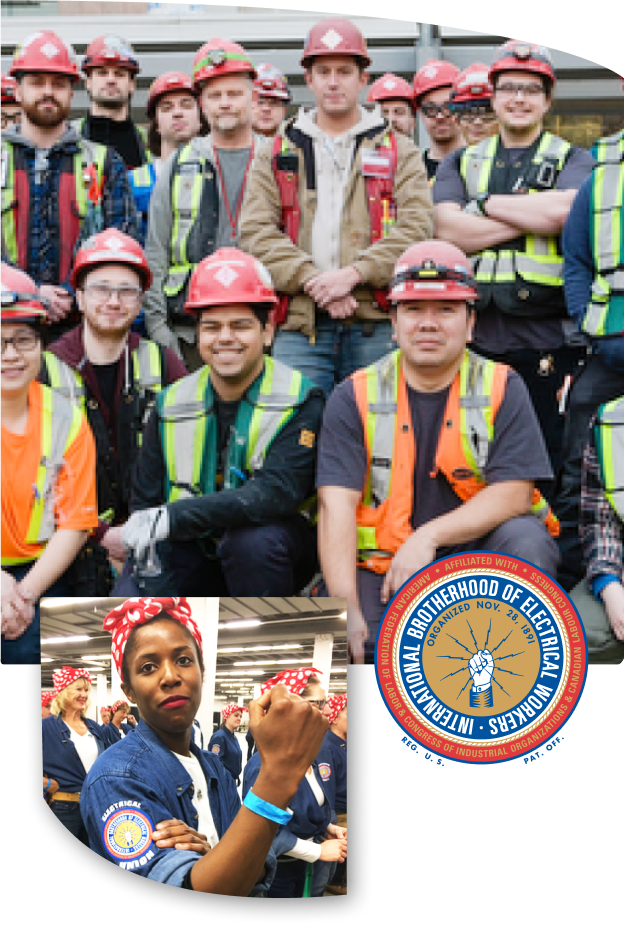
{"points": [[112, 103], [46, 118]]}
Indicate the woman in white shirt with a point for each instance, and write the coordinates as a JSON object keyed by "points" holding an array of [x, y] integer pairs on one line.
{"points": [[71, 744]]}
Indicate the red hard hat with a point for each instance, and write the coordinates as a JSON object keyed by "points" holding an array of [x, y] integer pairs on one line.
{"points": [[228, 277], [433, 75], [218, 57], [19, 296], [169, 82], [112, 247], [335, 37], [523, 56], [110, 50], [432, 270], [9, 86], [472, 85], [390, 87], [44, 52], [270, 82]]}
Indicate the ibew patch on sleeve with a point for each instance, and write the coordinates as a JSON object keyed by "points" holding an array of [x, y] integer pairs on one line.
{"points": [[324, 770], [127, 834], [216, 748]]}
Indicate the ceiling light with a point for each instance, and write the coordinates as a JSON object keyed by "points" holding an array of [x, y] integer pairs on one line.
{"points": [[66, 640], [235, 625]]}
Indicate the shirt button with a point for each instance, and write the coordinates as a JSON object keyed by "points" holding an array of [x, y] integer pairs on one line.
{"points": [[523, 294], [179, 788]]}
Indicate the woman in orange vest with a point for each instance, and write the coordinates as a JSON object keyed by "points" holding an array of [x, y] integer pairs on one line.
{"points": [[430, 452], [48, 475]]}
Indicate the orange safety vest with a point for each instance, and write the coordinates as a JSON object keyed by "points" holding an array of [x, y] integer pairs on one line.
{"points": [[385, 510]]}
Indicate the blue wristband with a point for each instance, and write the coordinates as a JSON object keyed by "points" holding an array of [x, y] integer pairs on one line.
{"points": [[47, 786], [266, 810]]}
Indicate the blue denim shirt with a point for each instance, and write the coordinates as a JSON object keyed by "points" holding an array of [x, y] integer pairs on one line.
{"points": [[112, 735], [334, 748], [225, 746], [137, 783], [309, 820], [60, 757]]}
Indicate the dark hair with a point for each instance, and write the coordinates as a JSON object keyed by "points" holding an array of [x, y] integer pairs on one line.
{"points": [[153, 135], [260, 310], [129, 649]]}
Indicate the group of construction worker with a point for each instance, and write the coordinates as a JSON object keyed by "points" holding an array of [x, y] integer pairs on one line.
{"points": [[310, 356]]}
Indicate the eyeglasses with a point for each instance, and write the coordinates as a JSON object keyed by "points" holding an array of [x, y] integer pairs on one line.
{"points": [[11, 119], [431, 110], [24, 343], [318, 702], [512, 90], [472, 114], [129, 296]]}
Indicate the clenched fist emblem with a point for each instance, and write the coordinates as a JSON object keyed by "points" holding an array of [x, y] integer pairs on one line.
{"points": [[481, 667]]}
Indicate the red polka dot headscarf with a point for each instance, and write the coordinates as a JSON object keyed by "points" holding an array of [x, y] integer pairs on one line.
{"points": [[47, 697], [107, 708], [65, 676], [120, 704], [230, 709], [335, 704], [134, 612], [295, 680]]}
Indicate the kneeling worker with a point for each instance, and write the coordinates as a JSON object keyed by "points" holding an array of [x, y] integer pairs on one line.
{"points": [[48, 475], [114, 376], [229, 453], [392, 509]]}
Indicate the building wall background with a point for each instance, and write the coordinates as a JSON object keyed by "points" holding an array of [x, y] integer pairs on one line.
{"points": [[588, 101]]}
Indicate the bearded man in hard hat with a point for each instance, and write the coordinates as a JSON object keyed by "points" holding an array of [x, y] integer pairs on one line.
{"points": [[229, 453], [433, 85], [110, 66], [57, 188], [429, 452]]}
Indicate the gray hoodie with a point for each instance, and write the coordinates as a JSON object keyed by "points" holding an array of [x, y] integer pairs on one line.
{"points": [[333, 159]]}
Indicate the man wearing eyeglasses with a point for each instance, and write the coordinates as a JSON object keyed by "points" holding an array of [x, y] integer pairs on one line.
{"points": [[433, 85], [485, 204], [114, 375], [11, 110]]}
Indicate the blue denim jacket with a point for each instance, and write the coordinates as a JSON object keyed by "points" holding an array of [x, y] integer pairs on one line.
{"points": [[137, 783], [60, 757], [111, 734], [225, 746], [309, 820]]}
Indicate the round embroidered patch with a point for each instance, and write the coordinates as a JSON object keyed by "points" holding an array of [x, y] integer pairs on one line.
{"points": [[324, 770], [481, 657], [215, 748], [127, 834]]}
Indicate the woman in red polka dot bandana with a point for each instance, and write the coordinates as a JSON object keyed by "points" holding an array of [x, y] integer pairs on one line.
{"points": [[71, 744], [146, 803], [224, 742], [135, 612]]}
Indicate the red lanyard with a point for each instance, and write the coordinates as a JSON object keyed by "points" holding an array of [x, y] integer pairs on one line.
{"points": [[224, 194]]}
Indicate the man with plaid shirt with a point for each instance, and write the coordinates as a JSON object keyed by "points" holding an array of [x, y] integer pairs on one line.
{"points": [[602, 535], [57, 188]]}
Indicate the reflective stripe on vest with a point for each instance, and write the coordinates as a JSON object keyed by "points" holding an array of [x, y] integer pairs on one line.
{"points": [[142, 177], [60, 425], [186, 191], [605, 312], [385, 511], [609, 435], [15, 209], [189, 430], [540, 261], [147, 373]]}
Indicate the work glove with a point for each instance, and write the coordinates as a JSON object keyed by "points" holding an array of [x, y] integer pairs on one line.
{"points": [[144, 528]]}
